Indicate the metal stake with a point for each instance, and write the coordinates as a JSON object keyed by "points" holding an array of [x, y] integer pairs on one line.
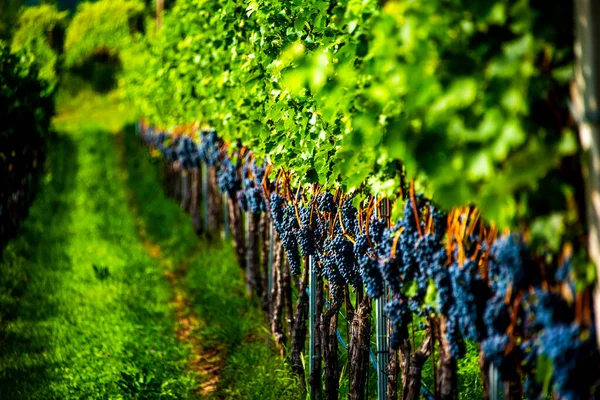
{"points": [[382, 343], [247, 234], [496, 389], [312, 309]]}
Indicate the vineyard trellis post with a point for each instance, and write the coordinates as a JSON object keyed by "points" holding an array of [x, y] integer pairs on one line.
{"points": [[382, 343], [312, 312], [160, 6], [496, 388], [205, 195], [586, 101], [248, 244], [184, 189], [271, 256], [226, 231]]}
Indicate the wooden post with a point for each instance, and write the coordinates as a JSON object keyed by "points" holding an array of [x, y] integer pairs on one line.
{"points": [[160, 6], [586, 97]]}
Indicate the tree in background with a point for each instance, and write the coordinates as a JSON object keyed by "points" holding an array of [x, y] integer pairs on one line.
{"points": [[101, 29], [40, 30], [97, 36]]}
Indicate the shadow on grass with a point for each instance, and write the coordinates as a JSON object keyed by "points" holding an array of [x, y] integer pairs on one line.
{"points": [[90, 314], [29, 264]]}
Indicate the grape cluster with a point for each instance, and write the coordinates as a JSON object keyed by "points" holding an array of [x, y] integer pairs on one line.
{"points": [[408, 241], [507, 265], [371, 276], [209, 150], [288, 239], [240, 196], [159, 141], [349, 213], [574, 353], [341, 251], [228, 179], [285, 223], [493, 348], [430, 256], [400, 316], [278, 205], [389, 264], [470, 295], [186, 152], [496, 316], [253, 189], [304, 234], [334, 278], [546, 309], [376, 229], [326, 203]]}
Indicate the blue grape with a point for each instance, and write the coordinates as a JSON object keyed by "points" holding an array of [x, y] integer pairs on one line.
{"points": [[342, 252], [574, 354], [376, 229], [400, 316], [349, 213], [368, 268], [278, 205], [470, 296], [496, 316], [326, 203]]}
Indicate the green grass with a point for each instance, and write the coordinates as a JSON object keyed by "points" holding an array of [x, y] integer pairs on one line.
{"points": [[89, 310]]}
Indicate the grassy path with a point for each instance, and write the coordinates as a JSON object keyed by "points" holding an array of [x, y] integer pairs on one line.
{"points": [[108, 293], [91, 315]]}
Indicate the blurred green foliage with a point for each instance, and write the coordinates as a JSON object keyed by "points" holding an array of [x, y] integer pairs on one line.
{"points": [[102, 29], [40, 30], [470, 96], [26, 107], [9, 11]]}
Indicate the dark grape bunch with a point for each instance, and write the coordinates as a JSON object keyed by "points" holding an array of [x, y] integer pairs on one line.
{"points": [[209, 150], [349, 213], [227, 178], [334, 278], [470, 295], [278, 205], [252, 186], [304, 234], [186, 152], [341, 250], [368, 267], [389, 264], [400, 316], [326, 203]]}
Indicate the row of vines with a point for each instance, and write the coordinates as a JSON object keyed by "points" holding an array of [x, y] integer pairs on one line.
{"points": [[26, 106], [448, 276], [364, 133]]}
